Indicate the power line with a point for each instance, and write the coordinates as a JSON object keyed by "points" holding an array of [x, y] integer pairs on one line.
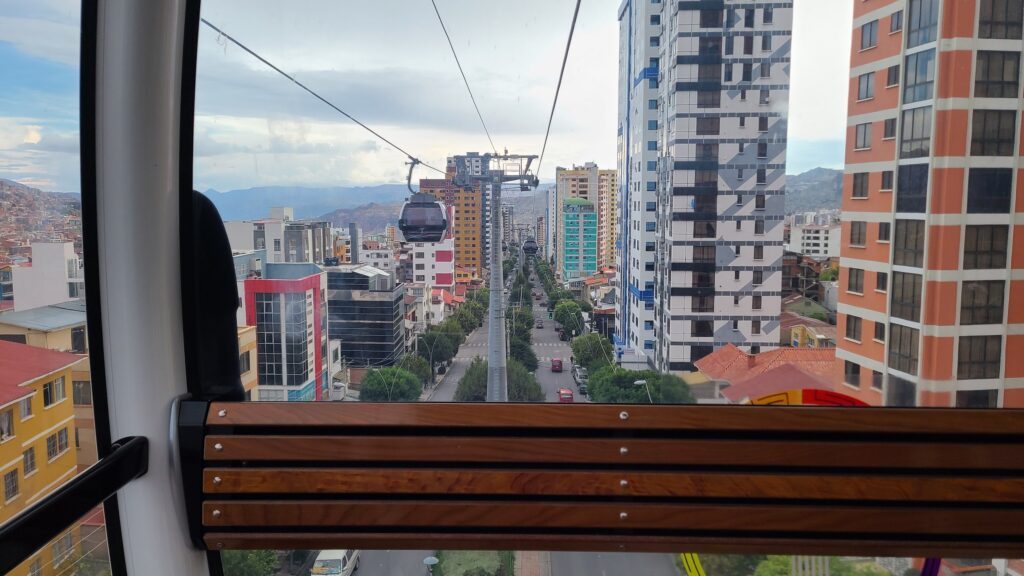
{"points": [[565, 57], [464, 80], [315, 95]]}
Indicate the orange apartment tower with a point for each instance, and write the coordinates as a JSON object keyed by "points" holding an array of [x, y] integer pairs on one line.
{"points": [[467, 204], [931, 283]]}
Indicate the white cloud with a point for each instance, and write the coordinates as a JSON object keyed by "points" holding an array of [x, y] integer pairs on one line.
{"points": [[821, 69]]}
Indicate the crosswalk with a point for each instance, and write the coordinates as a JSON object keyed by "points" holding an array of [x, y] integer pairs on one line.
{"points": [[535, 344]]}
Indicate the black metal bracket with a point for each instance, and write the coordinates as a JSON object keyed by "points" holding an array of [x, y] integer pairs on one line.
{"points": [[42, 522], [191, 434]]}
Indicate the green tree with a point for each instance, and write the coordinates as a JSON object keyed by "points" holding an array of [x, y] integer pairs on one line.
{"points": [[437, 347], [466, 320], [730, 564], [453, 329], [829, 274], [567, 313], [782, 566], [591, 351], [775, 566], [473, 385], [524, 354], [249, 562], [615, 385], [586, 307], [522, 386], [417, 365], [475, 309], [390, 384]]}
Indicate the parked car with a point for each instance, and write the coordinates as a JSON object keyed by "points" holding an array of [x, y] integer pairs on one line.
{"points": [[579, 374], [562, 335], [564, 395], [556, 364], [583, 389]]}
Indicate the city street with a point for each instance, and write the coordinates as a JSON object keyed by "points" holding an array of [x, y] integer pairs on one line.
{"points": [[611, 564], [393, 562]]}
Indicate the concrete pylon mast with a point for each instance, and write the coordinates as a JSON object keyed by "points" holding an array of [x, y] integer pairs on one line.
{"points": [[494, 170]]}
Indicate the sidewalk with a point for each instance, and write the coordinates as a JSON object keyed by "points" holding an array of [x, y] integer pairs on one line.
{"points": [[533, 564]]}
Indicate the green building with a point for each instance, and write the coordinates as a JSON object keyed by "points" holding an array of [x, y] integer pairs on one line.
{"points": [[579, 241]]}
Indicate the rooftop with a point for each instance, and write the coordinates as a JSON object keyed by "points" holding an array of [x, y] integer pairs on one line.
{"points": [[47, 318], [735, 366], [289, 270], [20, 364], [778, 379]]}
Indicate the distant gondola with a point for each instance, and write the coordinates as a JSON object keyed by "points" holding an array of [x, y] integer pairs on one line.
{"points": [[423, 219], [530, 247]]}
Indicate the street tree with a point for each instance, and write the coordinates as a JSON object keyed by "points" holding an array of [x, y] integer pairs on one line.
{"points": [[417, 365], [249, 562], [567, 313], [524, 354], [615, 385], [591, 351], [522, 385], [390, 384], [436, 347]]}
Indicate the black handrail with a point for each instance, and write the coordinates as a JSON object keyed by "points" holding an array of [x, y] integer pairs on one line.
{"points": [[37, 525]]}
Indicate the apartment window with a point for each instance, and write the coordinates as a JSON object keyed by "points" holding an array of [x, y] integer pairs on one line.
{"points": [[992, 132], [652, 104], [652, 206], [863, 136], [735, 325], [768, 16], [748, 45], [912, 189], [869, 35], [882, 281], [1000, 19], [62, 439], [979, 357], [743, 95], [755, 326], [889, 129], [708, 126], [981, 302], [243, 364], [63, 548], [766, 43], [866, 86], [766, 70], [922, 21], [858, 233], [655, 19], [25, 407], [985, 247], [81, 392], [880, 331], [887, 179], [6, 424], [649, 247], [765, 96], [997, 74], [711, 18], [876, 380], [655, 41], [652, 165], [977, 398], [758, 278], [702, 303], [762, 124], [652, 145], [755, 302], [892, 76], [709, 99], [703, 229], [649, 266], [860, 185], [884, 231], [51, 447], [277, 245], [903, 348], [988, 190], [917, 133], [759, 202], [855, 281], [901, 392], [748, 72], [36, 567], [704, 152], [729, 44], [10, 485], [710, 46], [54, 392], [851, 373], [896, 21], [908, 247], [762, 176], [758, 226], [28, 460], [702, 328], [743, 121], [905, 298], [652, 124], [919, 76], [736, 275]]}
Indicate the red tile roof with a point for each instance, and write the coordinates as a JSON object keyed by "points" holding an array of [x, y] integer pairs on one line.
{"points": [[735, 366], [21, 364], [789, 319], [778, 379]]}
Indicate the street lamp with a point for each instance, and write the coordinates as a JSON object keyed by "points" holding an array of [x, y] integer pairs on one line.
{"points": [[430, 562], [646, 387]]}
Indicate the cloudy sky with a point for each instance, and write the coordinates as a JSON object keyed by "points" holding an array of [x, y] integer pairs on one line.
{"points": [[387, 63]]}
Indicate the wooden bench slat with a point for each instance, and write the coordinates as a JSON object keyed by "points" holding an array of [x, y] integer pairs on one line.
{"points": [[760, 419], [467, 515], [608, 483], [794, 453]]}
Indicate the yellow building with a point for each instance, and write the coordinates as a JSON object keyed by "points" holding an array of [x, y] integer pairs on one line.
{"points": [[804, 336], [600, 187], [247, 359], [36, 439], [467, 207]]}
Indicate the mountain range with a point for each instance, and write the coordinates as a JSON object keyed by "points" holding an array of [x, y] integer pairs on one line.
{"points": [[254, 203], [816, 189]]}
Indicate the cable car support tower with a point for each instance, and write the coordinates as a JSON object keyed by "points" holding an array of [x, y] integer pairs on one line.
{"points": [[495, 170]]}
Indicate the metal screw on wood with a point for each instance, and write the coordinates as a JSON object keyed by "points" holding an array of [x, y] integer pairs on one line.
{"points": [[623, 451], [218, 446], [222, 413], [623, 415], [216, 513], [623, 482], [623, 515], [216, 480]]}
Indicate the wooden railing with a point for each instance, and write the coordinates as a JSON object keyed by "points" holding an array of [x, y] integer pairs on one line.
{"points": [[809, 480]]}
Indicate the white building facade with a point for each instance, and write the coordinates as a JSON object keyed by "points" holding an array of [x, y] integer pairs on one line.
{"points": [[815, 240], [56, 275]]}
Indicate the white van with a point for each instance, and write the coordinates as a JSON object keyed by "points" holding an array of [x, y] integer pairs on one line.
{"points": [[336, 563]]}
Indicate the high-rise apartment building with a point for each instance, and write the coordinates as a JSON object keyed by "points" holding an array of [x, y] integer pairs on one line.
{"points": [[287, 306], [600, 188], [704, 89], [541, 235], [284, 238], [366, 312], [578, 254], [508, 228], [466, 205], [929, 308]]}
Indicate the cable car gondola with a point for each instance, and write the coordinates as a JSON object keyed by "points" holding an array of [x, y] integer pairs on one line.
{"points": [[530, 247], [423, 219]]}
